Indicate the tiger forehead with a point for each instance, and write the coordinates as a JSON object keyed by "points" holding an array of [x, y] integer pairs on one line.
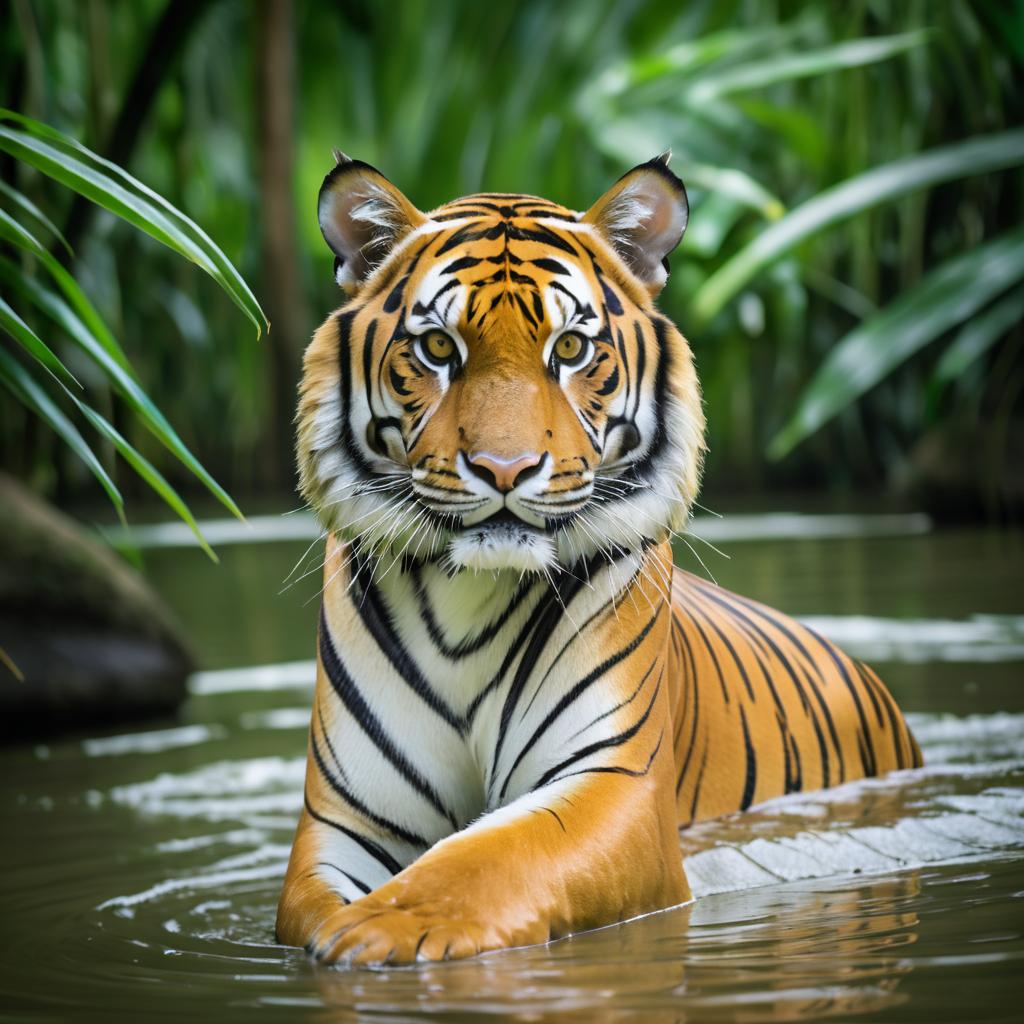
{"points": [[503, 206], [510, 254]]}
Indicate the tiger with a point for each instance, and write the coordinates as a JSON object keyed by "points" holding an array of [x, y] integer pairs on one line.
{"points": [[519, 699]]}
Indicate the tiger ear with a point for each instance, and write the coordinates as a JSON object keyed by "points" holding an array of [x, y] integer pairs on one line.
{"points": [[643, 216], [362, 217]]}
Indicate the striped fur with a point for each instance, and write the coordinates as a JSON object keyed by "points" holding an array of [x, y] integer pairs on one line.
{"points": [[519, 700]]}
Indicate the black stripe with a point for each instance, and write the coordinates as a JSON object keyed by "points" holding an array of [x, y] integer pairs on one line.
{"points": [[870, 761], [543, 235], [550, 265], [611, 299], [573, 694], [349, 695], [394, 299], [350, 798], [375, 850], [714, 657], [549, 620], [593, 748], [626, 700], [358, 883], [614, 769], [793, 780], [462, 263], [899, 727], [472, 644], [750, 781], [720, 597], [376, 617], [344, 321], [692, 691]]}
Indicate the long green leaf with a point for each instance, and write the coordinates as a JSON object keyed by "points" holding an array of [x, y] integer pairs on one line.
{"points": [[108, 185], [945, 297], [879, 185], [20, 236], [33, 344], [736, 184], [146, 470], [124, 383], [785, 67], [27, 206], [19, 382], [976, 337]]}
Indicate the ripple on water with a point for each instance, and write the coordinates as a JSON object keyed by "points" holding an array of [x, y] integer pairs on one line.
{"points": [[829, 904]]}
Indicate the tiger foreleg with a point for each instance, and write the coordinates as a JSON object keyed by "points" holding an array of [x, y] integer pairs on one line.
{"points": [[575, 854]]}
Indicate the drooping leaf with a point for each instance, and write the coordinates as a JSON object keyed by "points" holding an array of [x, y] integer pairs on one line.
{"points": [[18, 235], [784, 67], [945, 297], [61, 158], [124, 383], [33, 344], [27, 206], [979, 155], [976, 337], [145, 469], [19, 382]]}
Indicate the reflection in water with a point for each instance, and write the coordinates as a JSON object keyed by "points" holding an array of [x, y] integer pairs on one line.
{"points": [[788, 955]]}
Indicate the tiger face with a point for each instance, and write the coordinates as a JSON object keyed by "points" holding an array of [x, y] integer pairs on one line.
{"points": [[500, 391]]}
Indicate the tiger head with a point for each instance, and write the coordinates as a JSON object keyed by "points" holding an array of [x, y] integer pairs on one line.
{"points": [[500, 391]]}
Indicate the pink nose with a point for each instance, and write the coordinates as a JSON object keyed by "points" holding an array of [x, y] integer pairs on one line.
{"points": [[502, 473]]}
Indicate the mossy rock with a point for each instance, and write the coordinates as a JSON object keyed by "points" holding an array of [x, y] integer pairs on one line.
{"points": [[84, 640]]}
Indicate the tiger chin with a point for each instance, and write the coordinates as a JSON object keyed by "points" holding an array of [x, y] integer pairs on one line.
{"points": [[519, 699]]}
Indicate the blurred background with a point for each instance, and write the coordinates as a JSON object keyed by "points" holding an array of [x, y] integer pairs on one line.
{"points": [[851, 281], [230, 108], [852, 285]]}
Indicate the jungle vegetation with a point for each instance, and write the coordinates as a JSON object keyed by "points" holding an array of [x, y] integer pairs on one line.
{"points": [[852, 279]]}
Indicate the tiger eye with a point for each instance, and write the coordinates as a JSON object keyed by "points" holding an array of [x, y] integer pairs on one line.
{"points": [[569, 347], [439, 346]]}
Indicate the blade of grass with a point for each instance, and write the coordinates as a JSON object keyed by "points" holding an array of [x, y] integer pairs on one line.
{"points": [[946, 296]]}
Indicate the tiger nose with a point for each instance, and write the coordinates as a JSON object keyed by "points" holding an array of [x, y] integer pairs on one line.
{"points": [[504, 474]]}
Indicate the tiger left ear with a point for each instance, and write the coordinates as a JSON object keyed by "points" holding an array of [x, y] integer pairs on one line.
{"points": [[643, 216], [362, 217]]}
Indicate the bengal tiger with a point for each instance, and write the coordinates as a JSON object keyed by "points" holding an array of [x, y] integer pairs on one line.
{"points": [[519, 700]]}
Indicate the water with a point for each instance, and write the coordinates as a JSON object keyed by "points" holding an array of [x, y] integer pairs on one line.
{"points": [[141, 869]]}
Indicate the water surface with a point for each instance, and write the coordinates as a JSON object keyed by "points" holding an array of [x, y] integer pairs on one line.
{"points": [[141, 869]]}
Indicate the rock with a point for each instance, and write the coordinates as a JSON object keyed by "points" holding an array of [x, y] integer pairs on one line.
{"points": [[84, 641]]}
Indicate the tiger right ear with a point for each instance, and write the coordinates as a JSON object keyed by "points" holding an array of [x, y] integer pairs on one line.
{"points": [[362, 217], [643, 216]]}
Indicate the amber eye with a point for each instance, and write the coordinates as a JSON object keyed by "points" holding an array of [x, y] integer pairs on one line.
{"points": [[437, 348], [570, 349]]}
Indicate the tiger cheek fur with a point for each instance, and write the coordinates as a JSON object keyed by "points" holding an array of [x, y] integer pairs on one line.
{"points": [[519, 700]]}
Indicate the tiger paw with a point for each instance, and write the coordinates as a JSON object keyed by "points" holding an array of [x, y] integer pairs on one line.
{"points": [[370, 932]]}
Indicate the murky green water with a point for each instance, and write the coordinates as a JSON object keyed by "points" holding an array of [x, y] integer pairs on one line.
{"points": [[140, 870]]}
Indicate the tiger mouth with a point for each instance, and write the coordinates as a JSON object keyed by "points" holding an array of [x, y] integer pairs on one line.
{"points": [[507, 523], [504, 522]]}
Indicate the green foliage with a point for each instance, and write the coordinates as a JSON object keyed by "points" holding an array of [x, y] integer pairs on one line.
{"points": [[836, 155], [62, 302]]}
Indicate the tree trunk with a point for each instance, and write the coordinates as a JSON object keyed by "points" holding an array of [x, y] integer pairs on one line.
{"points": [[281, 285]]}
